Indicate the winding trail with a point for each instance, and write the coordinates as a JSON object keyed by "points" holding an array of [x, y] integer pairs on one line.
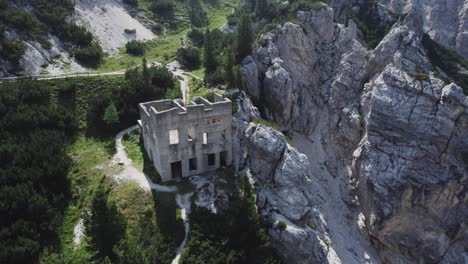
{"points": [[131, 173]]}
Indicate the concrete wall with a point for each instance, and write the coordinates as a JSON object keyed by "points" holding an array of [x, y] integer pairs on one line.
{"points": [[200, 116]]}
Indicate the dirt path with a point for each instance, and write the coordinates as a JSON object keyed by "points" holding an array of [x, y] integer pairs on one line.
{"points": [[131, 173], [185, 78], [184, 201]]}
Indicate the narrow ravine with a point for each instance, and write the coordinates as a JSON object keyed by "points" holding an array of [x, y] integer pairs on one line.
{"points": [[334, 212], [130, 173]]}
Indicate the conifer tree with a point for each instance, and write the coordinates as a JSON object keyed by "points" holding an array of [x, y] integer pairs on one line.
{"points": [[111, 116], [229, 68], [198, 16], [105, 224], [261, 8], [244, 38], [209, 59]]}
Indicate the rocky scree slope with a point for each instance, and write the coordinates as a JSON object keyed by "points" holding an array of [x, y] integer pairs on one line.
{"points": [[26, 24], [390, 134]]}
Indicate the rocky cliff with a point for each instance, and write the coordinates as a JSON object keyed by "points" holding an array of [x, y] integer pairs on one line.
{"points": [[445, 21], [385, 170]]}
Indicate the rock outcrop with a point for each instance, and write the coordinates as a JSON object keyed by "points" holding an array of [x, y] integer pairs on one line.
{"points": [[297, 192], [445, 21], [386, 142], [412, 167]]}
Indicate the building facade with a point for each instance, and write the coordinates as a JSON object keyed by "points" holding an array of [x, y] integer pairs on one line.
{"points": [[187, 139]]}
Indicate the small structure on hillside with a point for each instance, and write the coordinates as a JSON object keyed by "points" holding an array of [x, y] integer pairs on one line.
{"points": [[187, 139]]}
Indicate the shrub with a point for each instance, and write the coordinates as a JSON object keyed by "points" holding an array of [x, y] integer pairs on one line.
{"points": [[215, 78], [13, 50], [369, 22], [189, 57], [78, 35], [90, 56], [419, 76], [312, 224], [162, 5], [447, 60], [135, 47], [306, 5], [197, 37], [281, 225], [173, 93], [265, 122], [198, 15], [162, 77], [131, 2]]}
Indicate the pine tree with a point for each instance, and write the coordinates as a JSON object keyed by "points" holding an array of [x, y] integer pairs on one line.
{"points": [[146, 72], [229, 68], [129, 252], [111, 116], [261, 8], [249, 6], [198, 16], [244, 38], [105, 224], [209, 59]]}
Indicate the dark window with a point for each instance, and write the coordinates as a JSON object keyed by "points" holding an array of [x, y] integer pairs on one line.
{"points": [[193, 164], [211, 159]]}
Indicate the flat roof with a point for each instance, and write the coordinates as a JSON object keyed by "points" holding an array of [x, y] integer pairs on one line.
{"points": [[164, 105]]}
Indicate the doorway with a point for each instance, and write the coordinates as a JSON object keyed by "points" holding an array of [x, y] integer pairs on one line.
{"points": [[176, 169], [223, 158]]}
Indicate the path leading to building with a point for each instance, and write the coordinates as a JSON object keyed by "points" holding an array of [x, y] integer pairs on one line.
{"points": [[130, 173], [184, 78]]}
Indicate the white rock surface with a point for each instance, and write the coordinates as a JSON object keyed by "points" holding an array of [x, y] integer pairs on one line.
{"points": [[78, 232], [107, 20]]}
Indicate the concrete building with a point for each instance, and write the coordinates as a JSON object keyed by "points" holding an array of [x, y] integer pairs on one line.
{"points": [[187, 139]]}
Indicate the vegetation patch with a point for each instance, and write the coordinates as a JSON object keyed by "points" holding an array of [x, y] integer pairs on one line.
{"points": [[419, 76], [234, 236], [34, 165], [306, 5], [312, 224], [370, 24], [265, 122], [448, 61], [134, 149], [281, 225], [135, 47]]}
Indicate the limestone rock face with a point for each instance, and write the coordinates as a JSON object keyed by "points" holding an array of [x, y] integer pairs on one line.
{"points": [[385, 144], [280, 175], [445, 21], [319, 21], [411, 165], [288, 191]]}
